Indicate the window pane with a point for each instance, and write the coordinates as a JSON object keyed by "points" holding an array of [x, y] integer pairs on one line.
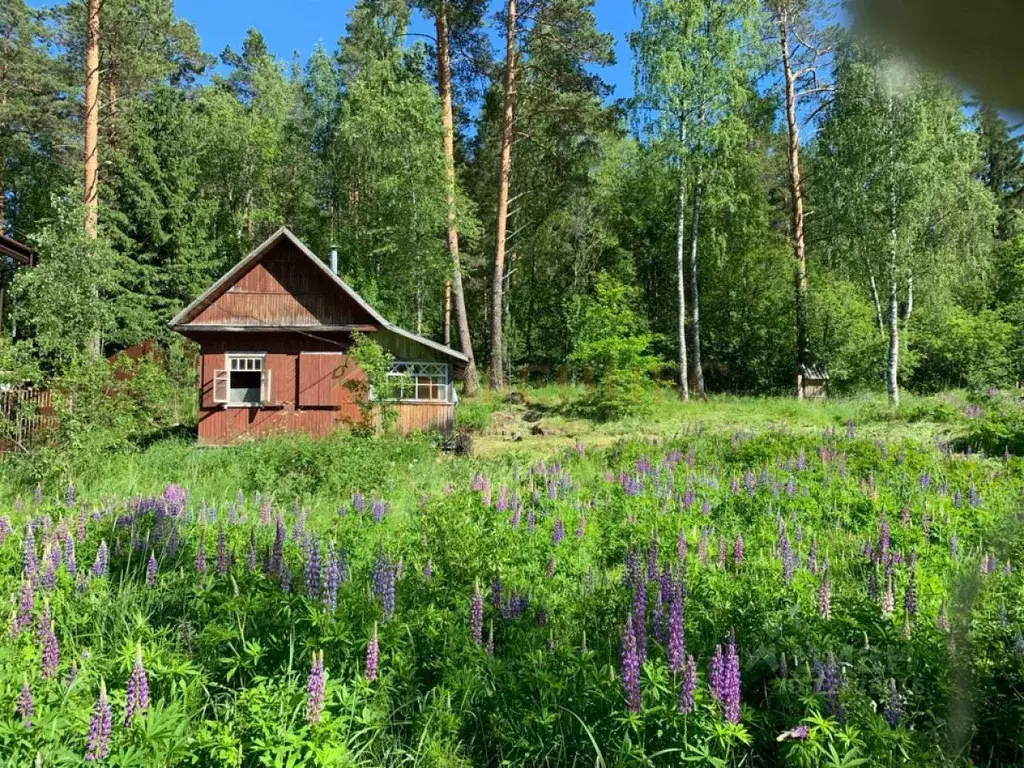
{"points": [[244, 387]]}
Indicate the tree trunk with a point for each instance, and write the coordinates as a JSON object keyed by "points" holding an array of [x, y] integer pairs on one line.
{"points": [[908, 308], [684, 386], [894, 303], [497, 371], [446, 321], [90, 191], [803, 351], [875, 298], [92, 93], [444, 87], [697, 371]]}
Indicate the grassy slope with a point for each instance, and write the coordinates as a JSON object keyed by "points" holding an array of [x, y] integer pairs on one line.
{"points": [[320, 472]]}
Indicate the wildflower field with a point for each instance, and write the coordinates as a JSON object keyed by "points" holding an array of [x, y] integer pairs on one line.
{"points": [[722, 598]]}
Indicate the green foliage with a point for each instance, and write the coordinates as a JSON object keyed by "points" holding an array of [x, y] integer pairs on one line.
{"points": [[65, 301], [376, 393], [611, 349]]}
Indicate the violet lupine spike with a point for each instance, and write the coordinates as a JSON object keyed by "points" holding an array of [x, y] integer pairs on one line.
{"points": [[251, 557], [581, 528], [476, 616], [687, 686], [51, 653], [640, 618], [24, 708], [830, 687], [372, 655], [731, 682], [97, 741], [681, 547], [428, 570], [315, 689], [331, 579], [716, 672], [910, 595], [26, 604], [737, 552], [99, 566], [5, 529], [222, 551], [496, 591], [382, 583], [200, 560], [379, 509], [894, 706], [630, 667], [312, 570], [29, 561], [558, 534], [888, 599], [489, 646], [812, 557], [825, 599], [787, 560], [652, 557], [723, 548], [70, 557], [137, 694], [151, 570], [676, 630], [658, 628]]}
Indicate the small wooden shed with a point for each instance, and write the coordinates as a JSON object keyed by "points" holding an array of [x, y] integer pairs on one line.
{"points": [[274, 336], [812, 382]]}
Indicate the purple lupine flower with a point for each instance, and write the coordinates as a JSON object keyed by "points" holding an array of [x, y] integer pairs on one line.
{"points": [[830, 687], [716, 672], [315, 689], [558, 534], [798, 733], [750, 482], [702, 545], [812, 557], [382, 583], [201, 552], [24, 707], [496, 591], [251, 555], [550, 568], [379, 508], [428, 569], [681, 546], [137, 695], [581, 527], [888, 599], [97, 742], [502, 503], [5, 529], [51, 653], [787, 560], [658, 628], [687, 685], [485, 493], [883, 536], [285, 578], [69, 495], [99, 566], [30, 563], [894, 706], [737, 551], [331, 579], [222, 551], [175, 498], [476, 615], [640, 618], [676, 629], [151, 570], [531, 521], [630, 667], [37, 495], [489, 646], [723, 547], [910, 595], [312, 570], [825, 599], [372, 655], [277, 558], [730, 693], [973, 497], [905, 516]]}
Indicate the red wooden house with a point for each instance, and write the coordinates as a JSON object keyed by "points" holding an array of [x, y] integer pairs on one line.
{"points": [[274, 333]]}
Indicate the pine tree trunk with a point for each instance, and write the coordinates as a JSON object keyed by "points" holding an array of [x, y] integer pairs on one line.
{"points": [[90, 192], [446, 320], [505, 168], [444, 86], [684, 386], [803, 352], [697, 374]]}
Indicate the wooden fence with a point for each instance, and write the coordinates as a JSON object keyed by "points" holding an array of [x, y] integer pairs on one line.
{"points": [[25, 413]]}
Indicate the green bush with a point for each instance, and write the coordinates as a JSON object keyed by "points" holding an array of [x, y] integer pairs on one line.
{"points": [[611, 350]]}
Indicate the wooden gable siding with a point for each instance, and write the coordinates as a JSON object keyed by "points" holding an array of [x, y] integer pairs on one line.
{"points": [[283, 289], [405, 349]]}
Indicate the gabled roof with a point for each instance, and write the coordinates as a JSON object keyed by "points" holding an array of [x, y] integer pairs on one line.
{"points": [[182, 319]]}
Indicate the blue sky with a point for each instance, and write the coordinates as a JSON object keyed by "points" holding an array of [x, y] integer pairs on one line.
{"points": [[298, 25]]}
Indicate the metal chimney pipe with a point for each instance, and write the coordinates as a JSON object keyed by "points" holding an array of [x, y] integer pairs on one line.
{"points": [[334, 259]]}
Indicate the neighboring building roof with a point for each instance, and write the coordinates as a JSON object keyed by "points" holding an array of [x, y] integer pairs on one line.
{"points": [[182, 320], [814, 371], [19, 252]]}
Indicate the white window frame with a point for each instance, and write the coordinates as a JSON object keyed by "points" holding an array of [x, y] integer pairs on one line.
{"points": [[244, 362], [409, 372]]}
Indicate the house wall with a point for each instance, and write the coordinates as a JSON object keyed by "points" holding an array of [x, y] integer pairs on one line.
{"points": [[312, 381]]}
